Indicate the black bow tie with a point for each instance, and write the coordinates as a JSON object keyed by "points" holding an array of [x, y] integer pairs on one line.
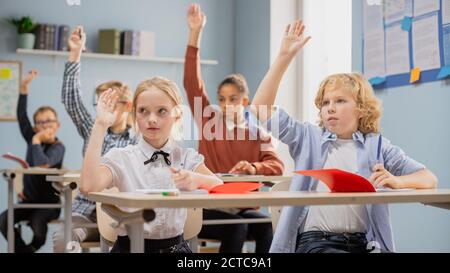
{"points": [[155, 157]]}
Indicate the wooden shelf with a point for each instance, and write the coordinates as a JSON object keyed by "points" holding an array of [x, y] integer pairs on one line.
{"points": [[54, 53]]}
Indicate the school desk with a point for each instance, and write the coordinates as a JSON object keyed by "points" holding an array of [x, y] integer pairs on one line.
{"points": [[65, 188], [145, 203], [266, 180]]}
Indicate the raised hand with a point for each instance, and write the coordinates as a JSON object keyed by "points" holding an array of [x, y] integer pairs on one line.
{"points": [[28, 79], [106, 114], [77, 42], [196, 18], [293, 40]]}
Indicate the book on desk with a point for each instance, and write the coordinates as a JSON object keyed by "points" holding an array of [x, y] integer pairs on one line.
{"points": [[342, 181]]}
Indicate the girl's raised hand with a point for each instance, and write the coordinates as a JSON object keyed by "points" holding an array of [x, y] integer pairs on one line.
{"points": [[293, 40], [106, 115], [196, 18]]}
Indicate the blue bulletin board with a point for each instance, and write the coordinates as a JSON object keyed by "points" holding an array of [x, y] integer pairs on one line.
{"points": [[406, 42]]}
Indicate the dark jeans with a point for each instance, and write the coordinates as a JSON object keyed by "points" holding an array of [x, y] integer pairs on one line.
{"points": [[37, 220], [233, 236], [171, 245], [327, 242]]}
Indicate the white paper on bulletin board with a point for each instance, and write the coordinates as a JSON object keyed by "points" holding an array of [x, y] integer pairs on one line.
{"points": [[10, 77]]}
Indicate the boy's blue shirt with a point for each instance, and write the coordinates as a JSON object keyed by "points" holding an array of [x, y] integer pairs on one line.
{"points": [[308, 146]]}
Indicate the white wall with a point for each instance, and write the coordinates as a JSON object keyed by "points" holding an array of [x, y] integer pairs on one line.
{"points": [[329, 52], [281, 14]]}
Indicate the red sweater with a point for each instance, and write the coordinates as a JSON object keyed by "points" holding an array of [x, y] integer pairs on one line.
{"points": [[222, 155]]}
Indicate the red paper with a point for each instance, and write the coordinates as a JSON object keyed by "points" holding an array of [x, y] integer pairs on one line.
{"points": [[17, 159], [340, 181], [234, 188]]}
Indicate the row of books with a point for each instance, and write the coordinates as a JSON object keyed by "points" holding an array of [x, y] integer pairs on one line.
{"points": [[128, 42], [51, 37], [111, 41]]}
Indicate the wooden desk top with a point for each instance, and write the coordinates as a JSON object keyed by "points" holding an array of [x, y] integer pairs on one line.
{"points": [[68, 177], [138, 200], [35, 170], [75, 177]]}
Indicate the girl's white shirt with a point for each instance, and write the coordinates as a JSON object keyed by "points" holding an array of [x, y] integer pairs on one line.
{"points": [[130, 174]]}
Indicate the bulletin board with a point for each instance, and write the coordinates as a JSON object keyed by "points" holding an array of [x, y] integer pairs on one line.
{"points": [[406, 42], [10, 78]]}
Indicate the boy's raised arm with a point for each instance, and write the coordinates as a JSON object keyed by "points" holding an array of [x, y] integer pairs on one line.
{"points": [[293, 41], [71, 90], [24, 122]]}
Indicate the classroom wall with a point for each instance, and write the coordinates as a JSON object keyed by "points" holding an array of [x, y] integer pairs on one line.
{"points": [[252, 41], [223, 40], [416, 117]]}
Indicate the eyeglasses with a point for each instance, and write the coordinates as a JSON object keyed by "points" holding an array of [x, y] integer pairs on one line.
{"points": [[44, 122]]}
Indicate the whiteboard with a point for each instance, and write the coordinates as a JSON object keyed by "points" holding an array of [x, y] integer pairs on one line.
{"points": [[10, 78]]}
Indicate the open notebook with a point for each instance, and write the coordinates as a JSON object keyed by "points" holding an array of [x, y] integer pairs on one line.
{"points": [[342, 181], [17, 159]]}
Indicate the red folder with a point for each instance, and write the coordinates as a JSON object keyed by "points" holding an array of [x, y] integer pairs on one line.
{"points": [[17, 159], [340, 181], [234, 188]]}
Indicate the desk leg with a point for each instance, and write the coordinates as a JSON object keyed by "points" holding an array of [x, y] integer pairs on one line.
{"points": [[10, 214], [67, 216], [136, 234]]}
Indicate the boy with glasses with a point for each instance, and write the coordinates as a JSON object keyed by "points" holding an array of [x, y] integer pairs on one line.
{"points": [[43, 150]]}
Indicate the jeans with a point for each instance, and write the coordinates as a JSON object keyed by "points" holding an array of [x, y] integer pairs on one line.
{"points": [[328, 242], [171, 245]]}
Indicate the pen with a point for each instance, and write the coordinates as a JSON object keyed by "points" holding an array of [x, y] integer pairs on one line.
{"points": [[170, 193], [380, 139]]}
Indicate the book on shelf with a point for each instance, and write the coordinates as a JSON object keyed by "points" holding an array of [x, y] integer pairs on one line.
{"points": [[109, 41]]}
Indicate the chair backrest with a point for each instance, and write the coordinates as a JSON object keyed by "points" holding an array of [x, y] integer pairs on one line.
{"points": [[193, 224], [18, 183], [276, 211], [104, 221]]}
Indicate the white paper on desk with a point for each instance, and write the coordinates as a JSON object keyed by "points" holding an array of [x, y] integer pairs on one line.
{"points": [[157, 191], [374, 55], [445, 12], [397, 50], [425, 6], [396, 10], [394, 190], [197, 191], [373, 18], [425, 36]]}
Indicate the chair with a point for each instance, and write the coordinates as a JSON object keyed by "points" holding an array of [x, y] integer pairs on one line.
{"points": [[276, 211], [193, 226], [108, 234]]}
